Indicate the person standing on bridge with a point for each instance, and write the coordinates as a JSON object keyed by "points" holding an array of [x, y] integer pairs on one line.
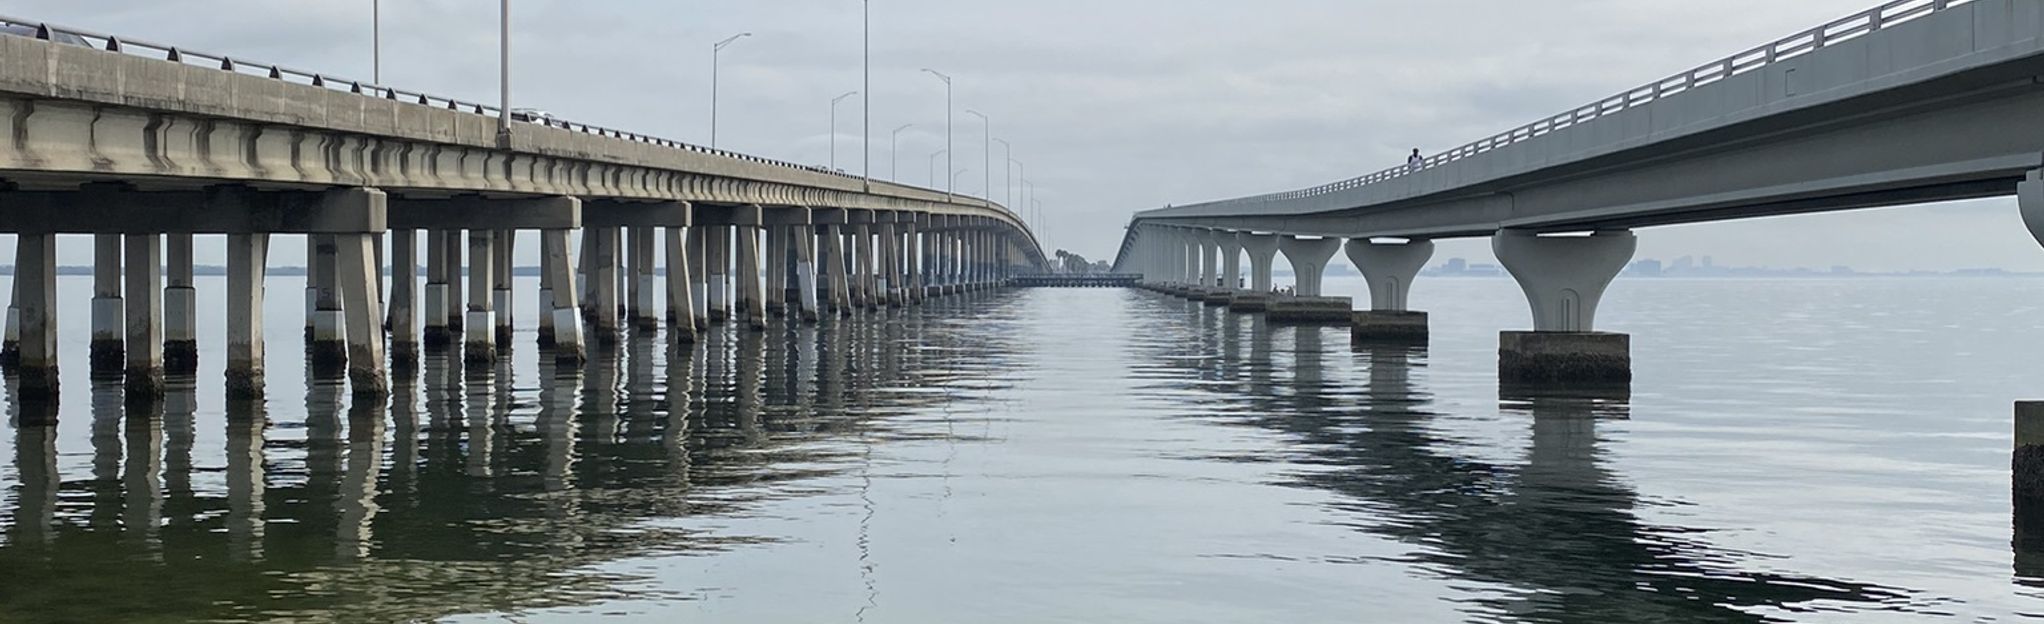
{"points": [[1413, 162]]}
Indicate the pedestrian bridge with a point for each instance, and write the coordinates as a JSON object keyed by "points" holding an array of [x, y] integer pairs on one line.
{"points": [[1913, 101], [145, 144]]}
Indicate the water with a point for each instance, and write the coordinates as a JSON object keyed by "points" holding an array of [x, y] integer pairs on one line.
{"points": [[1800, 450]]}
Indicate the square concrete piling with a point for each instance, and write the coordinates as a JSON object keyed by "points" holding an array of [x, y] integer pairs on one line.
{"points": [[1388, 327], [1564, 357], [2026, 467], [1309, 310]]}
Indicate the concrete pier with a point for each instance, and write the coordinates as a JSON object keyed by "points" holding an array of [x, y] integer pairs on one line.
{"points": [[860, 245], [717, 254], [1564, 277], [329, 347], [439, 265], [479, 343], [503, 302], [751, 282], [834, 265], [601, 325], [403, 319], [356, 272], [35, 268], [2026, 467], [566, 311], [10, 344], [108, 314], [247, 264], [802, 245], [1389, 268], [778, 289], [144, 381], [680, 293], [1262, 250], [180, 307], [645, 279], [698, 278], [456, 309], [917, 280], [1306, 305]]}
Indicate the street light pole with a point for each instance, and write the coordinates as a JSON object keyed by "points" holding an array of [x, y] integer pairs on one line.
{"points": [[504, 73], [715, 52], [933, 167], [833, 127], [376, 41], [986, 157], [893, 153], [866, 103], [1007, 172], [949, 186]]}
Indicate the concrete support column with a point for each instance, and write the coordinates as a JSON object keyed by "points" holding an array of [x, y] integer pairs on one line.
{"points": [[544, 310], [871, 292], [752, 284], [35, 268], [247, 263], [10, 347], [329, 350], [479, 343], [358, 276], [502, 301], [680, 296], [1231, 261], [698, 277], [1205, 245], [778, 293], [1390, 269], [566, 310], [834, 265], [107, 311], [645, 279], [1262, 250], [1563, 278], [403, 318], [1309, 261], [602, 321], [888, 273], [912, 257], [717, 248], [145, 318], [312, 282], [438, 267], [456, 310], [180, 307], [802, 244]]}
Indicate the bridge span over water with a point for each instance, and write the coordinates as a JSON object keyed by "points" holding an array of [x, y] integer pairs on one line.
{"points": [[1912, 101], [144, 145]]}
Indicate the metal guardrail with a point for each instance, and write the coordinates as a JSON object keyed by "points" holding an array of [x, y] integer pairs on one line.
{"points": [[1844, 29], [188, 56]]}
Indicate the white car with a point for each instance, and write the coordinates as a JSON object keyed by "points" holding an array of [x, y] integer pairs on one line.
{"points": [[531, 115]]}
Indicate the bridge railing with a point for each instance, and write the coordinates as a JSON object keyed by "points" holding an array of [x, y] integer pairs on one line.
{"points": [[179, 54], [1836, 31]]}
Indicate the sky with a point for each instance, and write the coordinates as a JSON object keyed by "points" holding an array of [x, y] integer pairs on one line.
{"points": [[1111, 106]]}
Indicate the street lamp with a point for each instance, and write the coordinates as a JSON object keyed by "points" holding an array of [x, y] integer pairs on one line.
{"points": [[933, 166], [986, 157], [893, 149], [833, 127], [1007, 171], [715, 52], [955, 174], [947, 125], [866, 103], [376, 41], [504, 73]]}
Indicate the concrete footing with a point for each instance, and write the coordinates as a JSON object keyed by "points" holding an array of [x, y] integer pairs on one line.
{"points": [[1249, 301], [480, 348], [329, 350], [1217, 297], [1310, 311], [1388, 327], [108, 352], [2026, 480], [1564, 357]]}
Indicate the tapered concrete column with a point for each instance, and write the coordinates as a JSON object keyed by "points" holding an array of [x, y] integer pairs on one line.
{"points": [[680, 298], [698, 276], [312, 282], [438, 266], [753, 282], [802, 245], [886, 275], [107, 311], [180, 307], [1309, 261], [601, 325], [834, 266], [870, 293], [358, 276], [584, 283], [2030, 200], [329, 350], [10, 346], [1205, 245], [1563, 278], [645, 297], [717, 249], [247, 263], [1262, 250], [456, 308], [502, 301], [1231, 260], [912, 257], [403, 318], [778, 293], [544, 310], [1390, 269], [566, 309], [145, 318]]}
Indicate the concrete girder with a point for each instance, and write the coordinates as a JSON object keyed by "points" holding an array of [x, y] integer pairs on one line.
{"points": [[111, 209], [517, 213]]}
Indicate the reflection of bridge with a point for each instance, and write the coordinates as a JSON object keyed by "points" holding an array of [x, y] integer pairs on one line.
{"points": [[1914, 101], [1552, 536], [463, 494], [143, 145]]}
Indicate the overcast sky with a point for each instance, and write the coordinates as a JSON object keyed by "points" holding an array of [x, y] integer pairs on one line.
{"points": [[1113, 106]]}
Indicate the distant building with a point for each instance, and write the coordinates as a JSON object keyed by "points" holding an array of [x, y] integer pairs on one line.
{"points": [[1683, 264], [1457, 265], [1645, 268]]}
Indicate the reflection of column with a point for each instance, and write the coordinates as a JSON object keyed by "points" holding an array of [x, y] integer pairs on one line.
{"points": [[480, 409], [749, 372], [681, 392], [35, 462], [143, 512], [246, 421], [106, 455], [180, 411], [357, 495], [556, 424]]}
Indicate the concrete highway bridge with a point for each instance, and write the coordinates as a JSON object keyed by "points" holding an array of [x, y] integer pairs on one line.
{"points": [[144, 145], [1913, 101]]}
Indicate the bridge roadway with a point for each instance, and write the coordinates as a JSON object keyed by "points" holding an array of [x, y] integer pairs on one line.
{"points": [[1913, 101], [144, 145]]}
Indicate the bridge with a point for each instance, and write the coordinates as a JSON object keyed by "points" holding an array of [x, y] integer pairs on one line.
{"points": [[1912, 101], [144, 145]]}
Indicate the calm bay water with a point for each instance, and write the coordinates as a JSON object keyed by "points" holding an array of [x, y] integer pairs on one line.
{"points": [[1799, 450]]}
